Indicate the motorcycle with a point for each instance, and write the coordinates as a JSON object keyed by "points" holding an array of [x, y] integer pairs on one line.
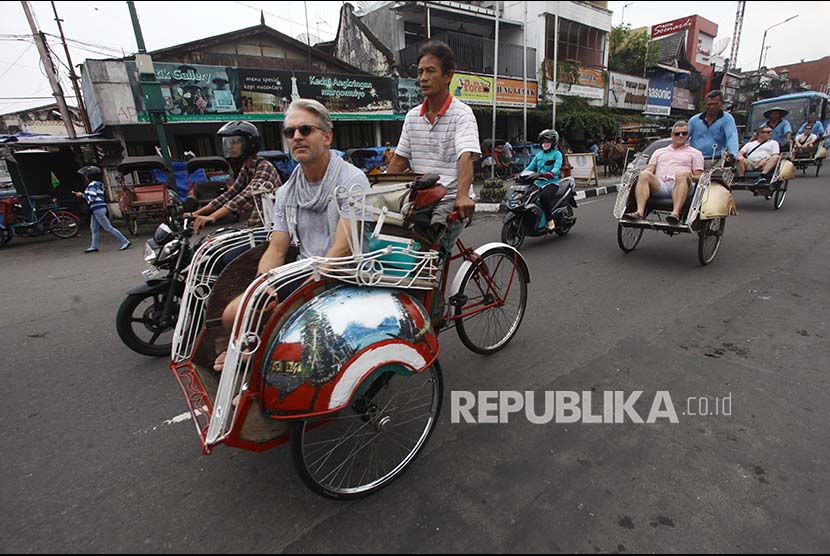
{"points": [[525, 216], [147, 317]]}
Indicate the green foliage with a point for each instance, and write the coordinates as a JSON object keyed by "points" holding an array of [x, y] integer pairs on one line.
{"points": [[576, 114], [627, 50]]}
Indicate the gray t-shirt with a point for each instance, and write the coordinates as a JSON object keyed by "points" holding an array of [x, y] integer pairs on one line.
{"points": [[313, 227]]}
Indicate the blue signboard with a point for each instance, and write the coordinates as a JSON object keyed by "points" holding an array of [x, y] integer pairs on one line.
{"points": [[660, 87]]}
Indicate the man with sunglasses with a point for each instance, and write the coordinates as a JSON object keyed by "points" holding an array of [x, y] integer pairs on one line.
{"points": [[669, 174], [762, 153], [305, 214], [240, 142], [440, 137]]}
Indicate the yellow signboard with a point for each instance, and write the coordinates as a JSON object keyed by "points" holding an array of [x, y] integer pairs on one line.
{"points": [[472, 89]]}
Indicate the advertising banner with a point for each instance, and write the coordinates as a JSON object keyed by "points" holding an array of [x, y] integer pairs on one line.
{"points": [[670, 27], [627, 91], [215, 93], [472, 89], [509, 92], [682, 99], [660, 88]]}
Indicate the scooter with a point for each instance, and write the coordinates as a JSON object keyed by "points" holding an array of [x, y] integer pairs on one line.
{"points": [[525, 216]]}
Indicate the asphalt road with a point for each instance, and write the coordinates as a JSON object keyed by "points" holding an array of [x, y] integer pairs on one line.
{"points": [[96, 456]]}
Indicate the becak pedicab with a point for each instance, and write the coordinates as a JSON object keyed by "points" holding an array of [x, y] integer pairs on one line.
{"points": [[207, 178], [708, 204], [345, 368]]}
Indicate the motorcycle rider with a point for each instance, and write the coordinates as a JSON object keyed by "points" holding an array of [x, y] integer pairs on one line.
{"points": [[240, 141], [547, 163]]}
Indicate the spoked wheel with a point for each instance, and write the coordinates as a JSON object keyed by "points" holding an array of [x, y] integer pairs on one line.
{"points": [[132, 226], [628, 237], [493, 296], [140, 327], [366, 446], [513, 233], [778, 196], [63, 225], [819, 162], [710, 237]]}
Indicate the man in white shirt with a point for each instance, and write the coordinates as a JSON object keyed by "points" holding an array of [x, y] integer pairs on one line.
{"points": [[804, 142], [762, 153], [440, 136]]}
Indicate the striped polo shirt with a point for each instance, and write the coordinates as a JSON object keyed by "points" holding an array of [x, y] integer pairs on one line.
{"points": [[435, 148]]}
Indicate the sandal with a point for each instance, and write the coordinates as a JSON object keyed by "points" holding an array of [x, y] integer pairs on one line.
{"points": [[633, 216], [673, 219]]}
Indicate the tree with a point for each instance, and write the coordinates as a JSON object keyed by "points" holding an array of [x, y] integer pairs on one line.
{"points": [[627, 50]]}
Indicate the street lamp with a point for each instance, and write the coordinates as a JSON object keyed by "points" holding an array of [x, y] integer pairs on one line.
{"points": [[765, 40], [622, 19]]}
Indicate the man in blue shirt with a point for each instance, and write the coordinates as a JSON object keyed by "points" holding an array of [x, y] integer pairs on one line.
{"points": [[782, 131], [818, 127], [713, 129]]}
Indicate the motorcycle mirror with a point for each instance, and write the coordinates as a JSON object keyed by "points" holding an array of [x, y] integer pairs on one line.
{"points": [[191, 204]]}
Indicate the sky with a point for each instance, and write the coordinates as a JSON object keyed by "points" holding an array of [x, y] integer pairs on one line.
{"points": [[106, 29], [787, 41]]}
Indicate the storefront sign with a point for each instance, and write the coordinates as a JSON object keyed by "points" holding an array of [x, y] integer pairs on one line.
{"points": [[478, 89], [587, 78], [704, 48], [682, 99], [670, 27], [511, 92], [472, 89], [627, 91], [660, 88], [214, 93], [591, 93]]}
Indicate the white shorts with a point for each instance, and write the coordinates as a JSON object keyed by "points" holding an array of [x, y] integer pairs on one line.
{"points": [[666, 187]]}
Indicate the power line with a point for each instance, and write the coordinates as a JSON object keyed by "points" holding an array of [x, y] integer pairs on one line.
{"points": [[33, 98], [25, 50]]}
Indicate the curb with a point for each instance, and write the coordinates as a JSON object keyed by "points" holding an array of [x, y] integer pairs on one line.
{"points": [[580, 195]]}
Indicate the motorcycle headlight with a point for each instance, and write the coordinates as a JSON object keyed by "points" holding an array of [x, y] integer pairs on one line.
{"points": [[168, 252], [151, 252], [163, 234]]}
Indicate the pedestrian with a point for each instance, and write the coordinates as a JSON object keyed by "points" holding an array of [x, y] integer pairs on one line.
{"points": [[94, 196]]}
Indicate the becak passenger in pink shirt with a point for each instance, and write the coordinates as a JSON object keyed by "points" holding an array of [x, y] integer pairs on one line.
{"points": [[670, 172]]}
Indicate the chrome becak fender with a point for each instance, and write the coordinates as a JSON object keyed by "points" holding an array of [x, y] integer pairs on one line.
{"points": [[321, 356]]}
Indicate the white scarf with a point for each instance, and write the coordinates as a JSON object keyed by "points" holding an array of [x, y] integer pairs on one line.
{"points": [[301, 194]]}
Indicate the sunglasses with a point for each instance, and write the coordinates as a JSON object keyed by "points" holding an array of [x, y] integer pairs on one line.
{"points": [[305, 130], [680, 133]]}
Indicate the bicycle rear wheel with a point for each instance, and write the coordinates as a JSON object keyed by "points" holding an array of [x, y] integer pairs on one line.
{"points": [[63, 225], [491, 301], [366, 446]]}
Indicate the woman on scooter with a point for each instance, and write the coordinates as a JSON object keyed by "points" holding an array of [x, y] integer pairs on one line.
{"points": [[547, 163]]}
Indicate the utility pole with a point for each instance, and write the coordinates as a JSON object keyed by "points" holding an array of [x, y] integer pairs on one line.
{"points": [[72, 75], [50, 71], [150, 87], [307, 34], [555, 63], [736, 34], [495, 89], [524, 83]]}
